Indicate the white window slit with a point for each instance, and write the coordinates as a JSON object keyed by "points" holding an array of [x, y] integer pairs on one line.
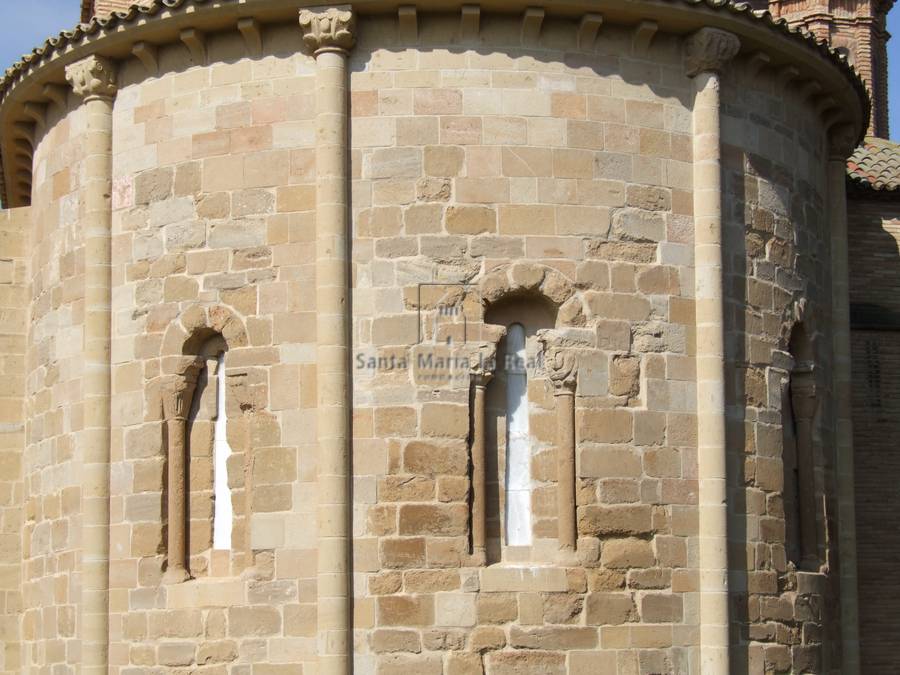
{"points": [[518, 445], [223, 516]]}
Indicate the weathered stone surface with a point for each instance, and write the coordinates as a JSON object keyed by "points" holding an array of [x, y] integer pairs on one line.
{"points": [[605, 609]]}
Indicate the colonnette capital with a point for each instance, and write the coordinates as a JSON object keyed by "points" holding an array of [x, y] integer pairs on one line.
{"points": [[330, 29], [93, 77]]}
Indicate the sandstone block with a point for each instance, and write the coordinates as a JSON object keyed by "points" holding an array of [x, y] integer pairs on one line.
{"points": [[445, 419], [176, 653], [399, 610], [253, 621], [497, 608], [609, 609], [460, 663], [626, 553], [446, 520], [471, 220], [562, 608], [606, 462], [455, 609], [553, 637], [222, 651], [444, 161], [606, 426], [405, 489], [661, 608], [526, 663], [385, 641], [639, 225], [612, 520]]}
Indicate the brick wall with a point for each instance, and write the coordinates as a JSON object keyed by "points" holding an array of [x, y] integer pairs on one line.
{"points": [[13, 311], [101, 8], [875, 306], [876, 430]]}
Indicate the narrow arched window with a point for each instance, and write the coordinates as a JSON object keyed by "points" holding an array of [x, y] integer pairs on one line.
{"points": [[517, 482], [223, 513], [520, 509], [210, 507], [799, 410]]}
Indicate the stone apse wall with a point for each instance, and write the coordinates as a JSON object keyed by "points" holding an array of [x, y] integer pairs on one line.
{"points": [[523, 276]]}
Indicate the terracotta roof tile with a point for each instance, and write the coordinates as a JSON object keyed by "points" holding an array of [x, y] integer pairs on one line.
{"points": [[876, 164]]}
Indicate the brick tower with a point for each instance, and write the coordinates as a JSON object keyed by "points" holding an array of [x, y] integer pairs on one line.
{"points": [[92, 8], [857, 27]]}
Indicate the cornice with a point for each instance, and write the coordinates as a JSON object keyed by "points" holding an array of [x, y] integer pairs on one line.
{"points": [[165, 21]]}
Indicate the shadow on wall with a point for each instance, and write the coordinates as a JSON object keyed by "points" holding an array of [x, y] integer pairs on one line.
{"points": [[874, 251]]}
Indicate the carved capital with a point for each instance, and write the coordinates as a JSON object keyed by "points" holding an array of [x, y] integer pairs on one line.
{"points": [[93, 77], [709, 50], [177, 390], [483, 363], [560, 363], [841, 142], [328, 29]]}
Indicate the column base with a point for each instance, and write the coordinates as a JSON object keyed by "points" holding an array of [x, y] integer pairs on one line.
{"points": [[175, 575], [478, 558], [568, 557]]}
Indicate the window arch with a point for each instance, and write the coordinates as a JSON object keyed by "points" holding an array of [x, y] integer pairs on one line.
{"points": [[208, 453], [521, 503], [210, 500], [799, 410]]}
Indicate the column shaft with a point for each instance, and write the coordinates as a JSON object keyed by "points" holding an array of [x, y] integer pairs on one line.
{"points": [[843, 391], [479, 502], [710, 309], [565, 462], [176, 550], [332, 356], [97, 222]]}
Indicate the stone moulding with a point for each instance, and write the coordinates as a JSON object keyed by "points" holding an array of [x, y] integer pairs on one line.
{"points": [[161, 22]]}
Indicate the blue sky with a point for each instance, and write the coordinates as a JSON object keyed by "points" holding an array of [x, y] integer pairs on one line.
{"points": [[25, 25]]}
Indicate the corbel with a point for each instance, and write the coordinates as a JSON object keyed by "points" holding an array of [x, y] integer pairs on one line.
{"points": [[470, 22], [824, 104], [250, 31], [195, 41], [755, 63], [24, 192], [37, 112], [532, 21], [22, 145], [56, 93], [409, 23], [833, 118], [148, 55], [810, 89], [785, 76], [25, 156], [644, 33], [24, 131], [588, 30]]}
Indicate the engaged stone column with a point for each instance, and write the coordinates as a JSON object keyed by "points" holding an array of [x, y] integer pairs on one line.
{"points": [[842, 143], [707, 52], [482, 373], [561, 365], [177, 393], [329, 32], [94, 78]]}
